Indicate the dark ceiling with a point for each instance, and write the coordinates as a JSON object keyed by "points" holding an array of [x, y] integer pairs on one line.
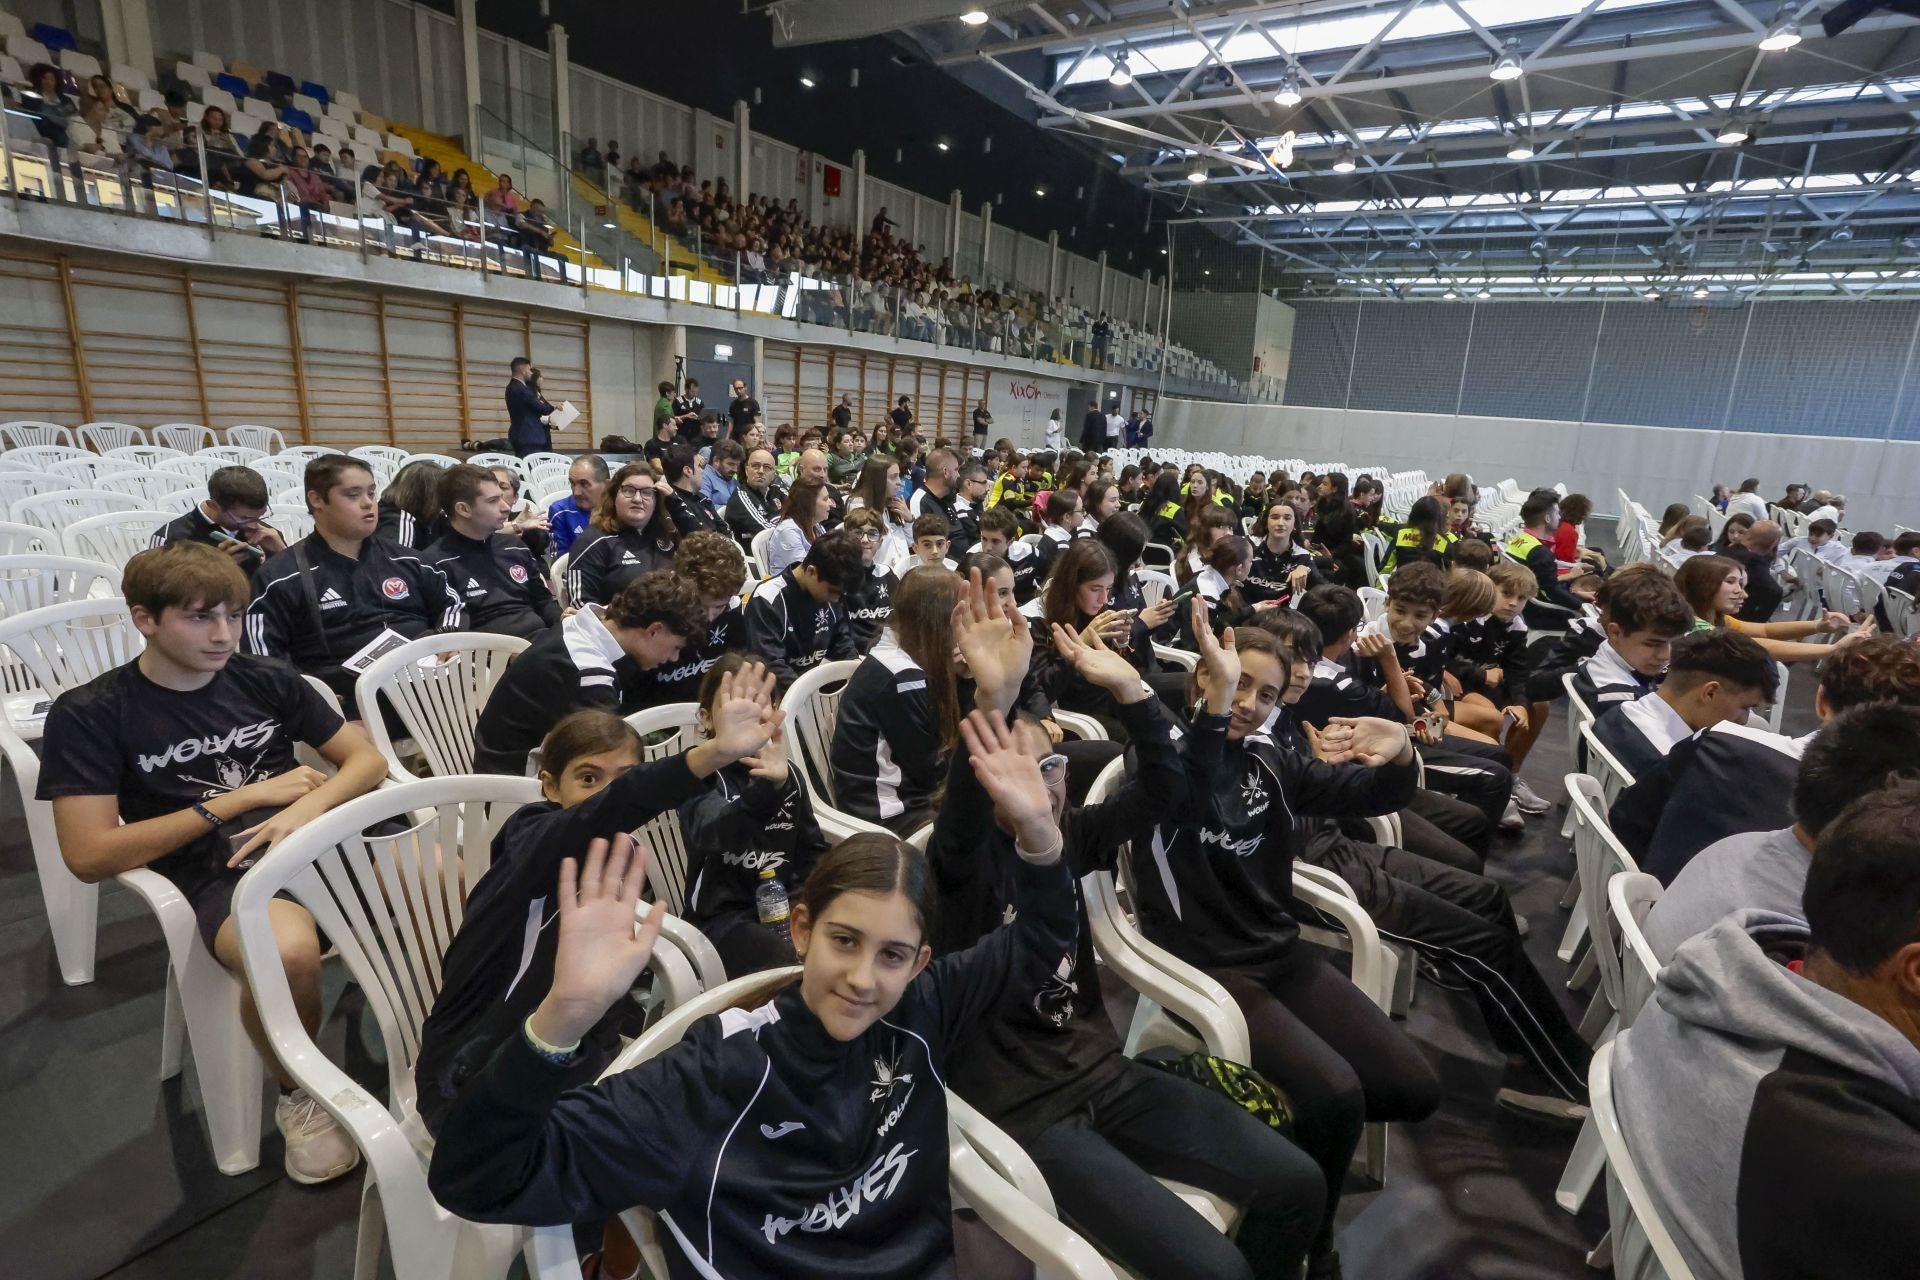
{"points": [[709, 54]]}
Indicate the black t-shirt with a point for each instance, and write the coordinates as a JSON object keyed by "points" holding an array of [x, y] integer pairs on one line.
{"points": [[742, 411], [842, 416], [902, 417], [161, 750], [981, 421], [655, 451], [1764, 591]]}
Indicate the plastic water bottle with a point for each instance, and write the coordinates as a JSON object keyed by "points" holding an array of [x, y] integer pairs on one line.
{"points": [[770, 900]]}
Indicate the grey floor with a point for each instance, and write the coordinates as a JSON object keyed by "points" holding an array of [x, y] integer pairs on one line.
{"points": [[106, 1170]]}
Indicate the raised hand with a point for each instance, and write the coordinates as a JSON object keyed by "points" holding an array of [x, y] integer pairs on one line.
{"points": [[744, 717], [600, 952], [771, 760], [1011, 776], [1366, 740], [996, 643], [1372, 645], [1099, 665], [1219, 661]]}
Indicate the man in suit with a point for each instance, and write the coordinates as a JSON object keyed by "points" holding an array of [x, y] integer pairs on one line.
{"points": [[526, 411]]}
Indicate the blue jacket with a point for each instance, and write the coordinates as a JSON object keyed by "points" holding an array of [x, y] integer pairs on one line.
{"points": [[566, 521]]}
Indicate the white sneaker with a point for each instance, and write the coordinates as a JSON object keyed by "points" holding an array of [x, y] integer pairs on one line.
{"points": [[1528, 800], [318, 1149], [1511, 819]]}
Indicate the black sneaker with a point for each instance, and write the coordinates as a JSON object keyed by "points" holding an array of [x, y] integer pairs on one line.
{"points": [[1324, 1266]]}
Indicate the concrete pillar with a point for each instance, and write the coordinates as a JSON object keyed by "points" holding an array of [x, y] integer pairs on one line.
{"points": [[760, 369], [426, 75], [859, 193], [464, 10], [557, 67], [1053, 264], [954, 210], [986, 236], [1101, 305], [742, 151], [128, 33]]}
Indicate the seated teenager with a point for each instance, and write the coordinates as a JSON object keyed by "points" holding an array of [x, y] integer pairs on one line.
{"points": [[753, 821], [803, 522], [1206, 525], [630, 534], [335, 591], [877, 489], [929, 546], [757, 499], [410, 514], [1164, 512], [1860, 751], [1539, 518], [1340, 559], [1218, 584], [1063, 519], [1736, 778], [1643, 615], [1078, 597], [1050, 1069], [501, 960], [1282, 569], [898, 718], [500, 580], [231, 520], [745, 1135], [689, 508], [586, 661], [1488, 663], [1423, 537], [1000, 536], [795, 620], [182, 762], [1770, 1090], [870, 603], [713, 564], [1212, 883], [1712, 677], [1715, 588]]}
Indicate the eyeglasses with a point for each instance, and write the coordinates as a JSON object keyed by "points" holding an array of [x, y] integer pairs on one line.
{"points": [[629, 491], [1053, 770], [238, 521], [867, 535]]}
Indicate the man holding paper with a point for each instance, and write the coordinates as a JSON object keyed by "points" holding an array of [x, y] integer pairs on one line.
{"points": [[527, 411], [339, 597]]}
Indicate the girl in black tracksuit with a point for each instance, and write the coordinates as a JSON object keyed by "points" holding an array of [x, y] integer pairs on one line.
{"points": [[752, 814], [805, 1138], [1051, 1071], [1277, 553], [629, 535], [1211, 886]]}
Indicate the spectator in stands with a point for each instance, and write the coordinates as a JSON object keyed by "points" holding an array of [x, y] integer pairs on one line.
{"points": [[1713, 676], [224, 151], [388, 189], [501, 581], [1282, 569], [689, 508], [500, 961], [341, 588], [586, 661], [899, 715], [535, 234], [1102, 338], [410, 511], [802, 523], [1734, 779], [231, 519], [743, 410], [1423, 537], [1858, 752], [1769, 1090], [720, 476], [524, 520], [1826, 506], [1818, 540], [503, 208], [759, 498], [1644, 614], [144, 152], [103, 108], [870, 604], [1539, 517], [344, 170], [1732, 534], [878, 488], [570, 516], [261, 172], [46, 104], [527, 413], [1342, 559], [591, 160], [714, 565], [1747, 501], [1715, 588], [1691, 537], [182, 762], [1869, 548], [630, 534], [794, 620]]}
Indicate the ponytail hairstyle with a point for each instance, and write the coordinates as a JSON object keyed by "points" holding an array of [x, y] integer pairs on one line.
{"points": [[1428, 517], [1231, 552], [1061, 503], [1203, 530], [922, 625]]}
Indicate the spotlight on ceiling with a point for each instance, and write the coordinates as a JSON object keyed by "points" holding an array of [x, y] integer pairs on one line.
{"points": [[1521, 148], [974, 17], [1783, 34], [1041, 192], [1120, 77], [1652, 294], [1733, 133], [1841, 235], [1450, 295], [940, 145], [1484, 293], [1344, 162], [1289, 95], [1507, 65], [1699, 291], [806, 82], [1197, 175]]}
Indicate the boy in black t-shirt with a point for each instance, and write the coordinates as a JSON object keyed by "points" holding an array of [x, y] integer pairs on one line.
{"points": [[182, 762]]}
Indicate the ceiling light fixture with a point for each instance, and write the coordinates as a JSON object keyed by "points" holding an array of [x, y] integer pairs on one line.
{"points": [[1484, 293], [1450, 295], [1733, 133], [1521, 149], [1652, 295], [1783, 34], [806, 82], [974, 17], [1041, 192], [941, 145], [1699, 291], [1120, 77], [1344, 163], [1289, 95], [1197, 175], [1507, 65]]}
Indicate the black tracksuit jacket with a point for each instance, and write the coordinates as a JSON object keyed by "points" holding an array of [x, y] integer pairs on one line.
{"points": [[600, 563], [791, 632], [502, 583]]}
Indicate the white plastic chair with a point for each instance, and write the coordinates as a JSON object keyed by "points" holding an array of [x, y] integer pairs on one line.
{"points": [[1900, 611], [557, 580], [1157, 555], [102, 436], [35, 581], [1374, 601], [664, 731], [187, 437], [280, 473], [55, 511], [147, 455], [265, 440], [235, 454], [62, 646], [547, 475], [292, 523], [440, 703], [305, 453], [976, 1182], [196, 468], [1641, 1245], [82, 472], [510, 461], [757, 552], [26, 539], [812, 704], [114, 538], [379, 453], [148, 486], [440, 460], [547, 458], [39, 457], [1155, 586], [390, 905], [26, 432], [15, 485]]}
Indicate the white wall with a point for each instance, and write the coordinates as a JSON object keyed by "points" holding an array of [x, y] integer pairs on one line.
{"points": [[1654, 465], [1020, 405]]}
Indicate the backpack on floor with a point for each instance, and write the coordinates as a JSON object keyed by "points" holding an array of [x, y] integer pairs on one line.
{"points": [[1238, 1083]]}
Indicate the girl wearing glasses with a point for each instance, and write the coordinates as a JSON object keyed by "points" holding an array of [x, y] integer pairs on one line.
{"points": [[628, 535]]}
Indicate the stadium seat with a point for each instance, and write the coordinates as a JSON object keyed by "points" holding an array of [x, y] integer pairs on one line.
{"points": [[232, 85], [295, 118], [194, 74], [437, 702], [317, 91], [103, 436], [221, 98], [26, 432], [114, 538], [184, 436], [210, 63], [54, 37], [55, 510], [81, 66], [130, 78], [10, 26]]}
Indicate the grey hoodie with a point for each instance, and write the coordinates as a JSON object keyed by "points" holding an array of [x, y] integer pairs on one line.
{"points": [[1777, 1122]]}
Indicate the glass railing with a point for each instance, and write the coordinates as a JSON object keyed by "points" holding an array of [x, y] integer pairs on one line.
{"points": [[581, 243]]}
